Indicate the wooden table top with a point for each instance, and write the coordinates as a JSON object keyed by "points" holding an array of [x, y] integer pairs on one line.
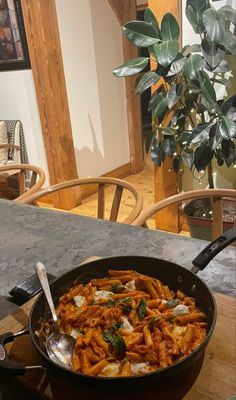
{"points": [[212, 378]]}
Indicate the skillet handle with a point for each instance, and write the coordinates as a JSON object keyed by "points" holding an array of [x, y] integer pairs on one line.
{"points": [[206, 255], [7, 366]]}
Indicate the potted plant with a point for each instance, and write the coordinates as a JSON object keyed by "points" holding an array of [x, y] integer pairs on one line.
{"points": [[191, 123]]}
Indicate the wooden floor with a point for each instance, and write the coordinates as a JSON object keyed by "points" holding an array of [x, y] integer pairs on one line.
{"points": [[144, 181]]}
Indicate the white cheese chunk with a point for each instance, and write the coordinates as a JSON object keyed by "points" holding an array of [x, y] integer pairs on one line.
{"points": [[181, 309], [103, 294], [111, 369], [130, 285], [126, 325], [79, 300], [140, 368], [75, 332]]}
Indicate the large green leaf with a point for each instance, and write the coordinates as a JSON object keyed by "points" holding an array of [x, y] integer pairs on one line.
{"points": [[195, 48], [207, 88], [177, 65], [203, 156], [166, 52], [174, 94], [157, 154], [151, 19], [188, 157], [191, 15], [169, 28], [222, 67], [215, 137], [214, 25], [169, 131], [140, 33], [148, 79], [195, 15], [228, 150], [229, 13], [192, 66], [150, 139], [229, 107], [200, 134], [160, 107], [154, 100], [131, 67], [229, 42], [169, 145], [227, 128], [212, 53], [177, 164]]}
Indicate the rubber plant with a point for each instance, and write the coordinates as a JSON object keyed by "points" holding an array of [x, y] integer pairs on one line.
{"points": [[202, 126]]}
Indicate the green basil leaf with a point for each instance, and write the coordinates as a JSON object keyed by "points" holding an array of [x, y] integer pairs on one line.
{"points": [[142, 308], [172, 303], [117, 288], [111, 303]]}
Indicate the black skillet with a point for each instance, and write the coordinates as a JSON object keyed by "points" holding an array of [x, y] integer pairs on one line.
{"points": [[175, 276]]}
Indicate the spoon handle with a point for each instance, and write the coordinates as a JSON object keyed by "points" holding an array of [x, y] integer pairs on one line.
{"points": [[42, 275]]}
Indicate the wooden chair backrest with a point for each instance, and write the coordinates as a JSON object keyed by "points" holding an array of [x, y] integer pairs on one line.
{"points": [[37, 178], [101, 183], [217, 206]]}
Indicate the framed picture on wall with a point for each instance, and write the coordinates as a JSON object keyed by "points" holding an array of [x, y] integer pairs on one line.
{"points": [[13, 46]]}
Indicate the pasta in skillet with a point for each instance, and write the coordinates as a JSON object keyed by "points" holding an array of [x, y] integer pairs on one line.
{"points": [[129, 324]]}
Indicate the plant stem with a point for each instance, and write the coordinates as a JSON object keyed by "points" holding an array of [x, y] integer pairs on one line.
{"points": [[210, 176]]}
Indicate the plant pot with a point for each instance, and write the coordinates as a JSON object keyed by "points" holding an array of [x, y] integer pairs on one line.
{"points": [[198, 214]]}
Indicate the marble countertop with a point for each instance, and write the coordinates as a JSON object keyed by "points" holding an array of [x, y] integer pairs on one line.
{"points": [[62, 241]]}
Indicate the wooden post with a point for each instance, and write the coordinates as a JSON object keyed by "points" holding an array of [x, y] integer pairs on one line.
{"points": [[40, 19], [165, 179], [125, 10]]}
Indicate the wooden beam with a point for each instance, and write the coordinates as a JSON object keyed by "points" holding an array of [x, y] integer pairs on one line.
{"points": [[125, 10], [40, 19], [165, 179]]}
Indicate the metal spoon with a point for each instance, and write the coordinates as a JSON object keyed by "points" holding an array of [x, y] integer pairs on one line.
{"points": [[59, 345]]}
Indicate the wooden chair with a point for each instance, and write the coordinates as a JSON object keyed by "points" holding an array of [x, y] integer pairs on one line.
{"points": [[34, 182], [100, 183], [217, 206]]}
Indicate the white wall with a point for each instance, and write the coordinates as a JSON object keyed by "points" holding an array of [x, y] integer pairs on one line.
{"points": [[18, 101], [223, 176], [92, 46], [91, 42]]}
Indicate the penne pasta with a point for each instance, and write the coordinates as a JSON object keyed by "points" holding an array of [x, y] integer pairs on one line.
{"points": [[96, 368], [126, 369], [128, 324]]}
